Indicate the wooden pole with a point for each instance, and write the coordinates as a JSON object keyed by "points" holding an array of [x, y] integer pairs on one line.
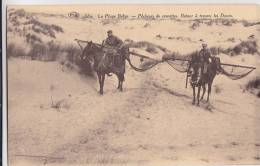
{"points": [[142, 56], [248, 67], [225, 64]]}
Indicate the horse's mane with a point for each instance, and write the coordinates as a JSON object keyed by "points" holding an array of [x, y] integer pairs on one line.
{"points": [[97, 45]]}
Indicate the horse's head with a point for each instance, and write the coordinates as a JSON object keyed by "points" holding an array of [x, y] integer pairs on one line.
{"points": [[90, 49]]}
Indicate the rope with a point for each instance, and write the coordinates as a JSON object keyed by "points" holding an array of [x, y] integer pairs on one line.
{"points": [[143, 69]]}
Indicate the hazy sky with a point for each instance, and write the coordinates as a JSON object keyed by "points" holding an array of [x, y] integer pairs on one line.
{"points": [[238, 11]]}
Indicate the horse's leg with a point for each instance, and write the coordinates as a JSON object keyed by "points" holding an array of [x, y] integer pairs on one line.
{"points": [[121, 82], [209, 90], [194, 94], [198, 96], [101, 78], [100, 82], [204, 89]]}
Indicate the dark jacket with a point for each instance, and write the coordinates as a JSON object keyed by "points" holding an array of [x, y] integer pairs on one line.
{"points": [[113, 41], [204, 55]]}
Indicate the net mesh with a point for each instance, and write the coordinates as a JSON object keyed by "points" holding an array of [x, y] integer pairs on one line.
{"points": [[234, 72], [143, 63], [179, 65]]}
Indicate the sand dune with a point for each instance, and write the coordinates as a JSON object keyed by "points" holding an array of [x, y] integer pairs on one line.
{"points": [[57, 117]]}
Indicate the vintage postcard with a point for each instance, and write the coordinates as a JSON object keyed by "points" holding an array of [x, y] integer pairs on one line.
{"points": [[133, 84]]}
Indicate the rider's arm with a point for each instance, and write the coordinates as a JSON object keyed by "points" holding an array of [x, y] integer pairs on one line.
{"points": [[209, 56], [105, 43], [200, 52], [119, 42]]}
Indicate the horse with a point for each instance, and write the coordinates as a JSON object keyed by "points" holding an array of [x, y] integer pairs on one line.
{"points": [[93, 53], [206, 79]]}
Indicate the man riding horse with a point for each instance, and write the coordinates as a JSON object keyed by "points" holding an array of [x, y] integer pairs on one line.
{"points": [[111, 47], [204, 67], [110, 57], [205, 59], [199, 63]]}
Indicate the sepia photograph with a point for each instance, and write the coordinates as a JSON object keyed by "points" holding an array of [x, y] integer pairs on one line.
{"points": [[133, 84]]}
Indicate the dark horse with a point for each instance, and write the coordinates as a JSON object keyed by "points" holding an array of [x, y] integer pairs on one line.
{"points": [[205, 79], [94, 54]]}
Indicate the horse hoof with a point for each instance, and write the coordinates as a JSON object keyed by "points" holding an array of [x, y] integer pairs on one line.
{"points": [[101, 93], [198, 104], [193, 102]]}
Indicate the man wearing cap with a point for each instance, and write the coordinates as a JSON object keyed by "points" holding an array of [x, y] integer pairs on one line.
{"points": [[205, 58], [111, 46], [112, 41]]}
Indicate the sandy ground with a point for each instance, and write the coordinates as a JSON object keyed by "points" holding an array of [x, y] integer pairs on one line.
{"points": [[152, 120], [57, 117]]}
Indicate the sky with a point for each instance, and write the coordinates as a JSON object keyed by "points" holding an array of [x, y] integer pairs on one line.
{"points": [[250, 12]]}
